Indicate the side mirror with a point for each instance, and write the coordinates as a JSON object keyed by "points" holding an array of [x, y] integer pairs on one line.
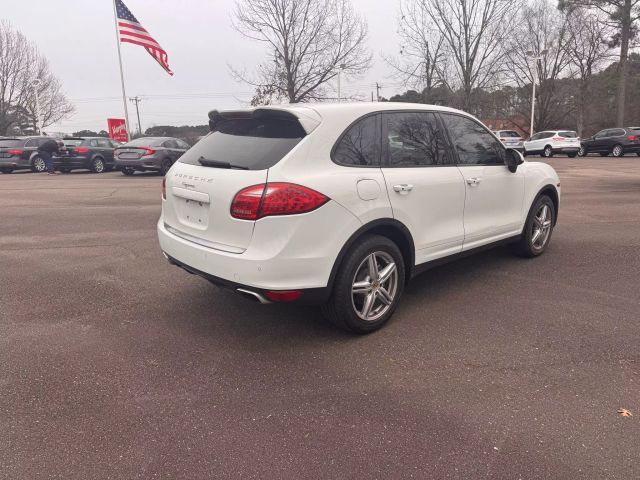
{"points": [[512, 159]]}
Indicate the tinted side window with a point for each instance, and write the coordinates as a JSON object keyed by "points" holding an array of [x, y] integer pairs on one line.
{"points": [[414, 139], [93, 143], [360, 145], [170, 144], [182, 144], [618, 132], [104, 143], [535, 137], [474, 144], [34, 142]]}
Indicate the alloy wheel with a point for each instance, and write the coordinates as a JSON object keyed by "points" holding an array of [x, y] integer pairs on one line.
{"points": [[374, 286], [541, 228], [98, 165], [548, 152], [39, 165], [617, 151], [582, 152]]}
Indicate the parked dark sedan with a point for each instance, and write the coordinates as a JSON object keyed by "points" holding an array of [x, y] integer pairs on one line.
{"points": [[21, 154], [91, 153], [615, 141], [149, 153]]}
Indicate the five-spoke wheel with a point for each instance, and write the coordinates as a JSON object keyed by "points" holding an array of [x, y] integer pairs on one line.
{"points": [[374, 286]]}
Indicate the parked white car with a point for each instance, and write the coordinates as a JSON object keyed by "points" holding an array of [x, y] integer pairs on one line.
{"points": [[510, 139], [342, 204], [550, 142]]}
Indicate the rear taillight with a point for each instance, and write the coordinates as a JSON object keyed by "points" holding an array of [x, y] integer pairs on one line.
{"points": [[164, 188], [15, 152], [148, 151], [557, 139], [632, 138], [81, 150], [273, 199]]}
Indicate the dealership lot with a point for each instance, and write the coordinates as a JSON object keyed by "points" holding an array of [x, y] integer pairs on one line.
{"points": [[116, 365]]}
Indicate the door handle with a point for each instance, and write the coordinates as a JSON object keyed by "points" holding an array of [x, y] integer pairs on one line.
{"points": [[474, 180], [403, 188]]}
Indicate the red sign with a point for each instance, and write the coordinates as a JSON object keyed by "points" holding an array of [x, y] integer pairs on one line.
{"points": [[118, 129]]}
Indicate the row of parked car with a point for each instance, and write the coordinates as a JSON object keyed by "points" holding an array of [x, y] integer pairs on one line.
{"points": [[97, 154], [611, 141]]}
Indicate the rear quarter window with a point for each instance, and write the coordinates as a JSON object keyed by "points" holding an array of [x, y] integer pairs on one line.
{"points": [[251, 143], [568, 134]]}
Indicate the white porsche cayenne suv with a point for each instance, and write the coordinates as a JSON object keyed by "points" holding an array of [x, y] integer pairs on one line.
{"points": [[340, 205]]}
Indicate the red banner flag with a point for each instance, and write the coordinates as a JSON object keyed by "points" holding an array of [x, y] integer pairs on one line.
{"points": [[118, 129]]}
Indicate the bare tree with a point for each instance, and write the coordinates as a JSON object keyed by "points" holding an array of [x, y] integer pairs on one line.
{"points": [[474, 33], [540, 28], [308, 41], [422, 61], [623, 15], [588, 48], [20, 64]]}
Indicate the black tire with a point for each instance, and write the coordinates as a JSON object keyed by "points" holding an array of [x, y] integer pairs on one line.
{"points": [[547, 152], [604, 154], [583, 151], [617, 151], [638, 154], [97, 165], [64, 170], [165, 166], [6, 170], [38, 165], [127, 171], [341, 307], [526, 246], [572, 154]]}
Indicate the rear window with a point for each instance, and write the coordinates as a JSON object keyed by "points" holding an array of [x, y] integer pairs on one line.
{"points": [[251, 143], [11, 143], [568, 134], [72, 143], [509, 134], [145, 142]]}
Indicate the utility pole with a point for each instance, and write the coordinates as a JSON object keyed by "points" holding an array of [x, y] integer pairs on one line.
{"points": [[36, 83], [378, 91], [536, 59], [137, 100]]}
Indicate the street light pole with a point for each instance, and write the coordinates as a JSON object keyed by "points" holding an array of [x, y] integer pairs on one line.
{"points": [[536, 59], [36, 83], [340, 68]]}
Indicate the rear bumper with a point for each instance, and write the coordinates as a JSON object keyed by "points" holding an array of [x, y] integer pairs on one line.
{"points": [[295, 252], [139, 164], [14, 162], [571, 149]]}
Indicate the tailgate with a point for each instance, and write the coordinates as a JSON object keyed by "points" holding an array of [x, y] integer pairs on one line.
{"points": [[199, 201]]}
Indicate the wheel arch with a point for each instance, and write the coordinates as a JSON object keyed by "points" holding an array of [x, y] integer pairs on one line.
{"points": [[386, 227], [552, 192]]}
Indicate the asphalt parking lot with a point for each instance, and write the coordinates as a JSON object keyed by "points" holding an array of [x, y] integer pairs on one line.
{"points": [[114, 364]]}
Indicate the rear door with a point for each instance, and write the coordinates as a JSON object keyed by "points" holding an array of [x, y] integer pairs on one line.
{"points": [[199, 197], [425, 188], [494, 195], [105, 149], [600, 141]]}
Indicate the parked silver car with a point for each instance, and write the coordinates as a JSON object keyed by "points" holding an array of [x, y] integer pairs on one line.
{"points": [[510, 139], [149, 153]]}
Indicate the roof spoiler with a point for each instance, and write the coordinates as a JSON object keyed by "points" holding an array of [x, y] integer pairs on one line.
{"points": [[308, 120]]}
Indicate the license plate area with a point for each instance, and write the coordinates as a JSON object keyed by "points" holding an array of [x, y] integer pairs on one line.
{"points": [[129, 156], [193, 213]]}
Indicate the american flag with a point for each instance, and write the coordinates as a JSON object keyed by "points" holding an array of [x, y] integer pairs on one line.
{"points": [[132, 32]]}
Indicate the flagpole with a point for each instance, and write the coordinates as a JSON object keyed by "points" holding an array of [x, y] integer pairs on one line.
{"points": [[124, 95]]}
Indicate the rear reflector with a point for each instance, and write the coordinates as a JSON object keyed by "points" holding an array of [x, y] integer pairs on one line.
{"points": [[15, 152], [283, 295], [275, 199]]}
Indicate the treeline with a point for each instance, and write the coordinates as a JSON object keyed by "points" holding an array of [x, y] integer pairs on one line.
{"points": [[513, 104]]}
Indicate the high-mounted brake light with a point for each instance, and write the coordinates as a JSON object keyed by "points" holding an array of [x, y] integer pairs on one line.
{"points": [[81, 150], [274, 199], [148, 151], [15, 152]]}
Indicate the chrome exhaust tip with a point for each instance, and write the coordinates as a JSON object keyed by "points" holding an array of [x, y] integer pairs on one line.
{"points": [[253, 295]]}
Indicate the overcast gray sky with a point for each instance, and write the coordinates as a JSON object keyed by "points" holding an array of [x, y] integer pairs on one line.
{"points": [[78, 38]]}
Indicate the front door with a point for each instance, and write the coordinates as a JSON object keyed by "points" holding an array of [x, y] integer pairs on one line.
{"points": [[425, 188], [494, 196]]}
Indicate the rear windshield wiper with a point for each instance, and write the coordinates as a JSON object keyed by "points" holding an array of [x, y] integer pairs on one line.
{"points": [[218, 164]]}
